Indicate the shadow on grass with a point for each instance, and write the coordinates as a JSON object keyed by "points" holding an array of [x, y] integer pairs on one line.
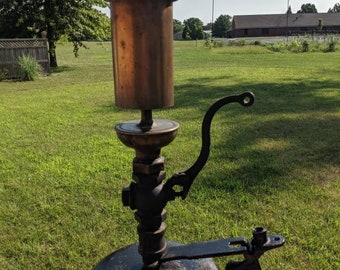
{"points": [[278, 152], [61, 69], [290, 134], [270, 97]]}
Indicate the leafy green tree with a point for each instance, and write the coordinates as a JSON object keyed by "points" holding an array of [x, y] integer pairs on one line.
{"points": [[186, 33], [335, 9], [178, 26], [221, 26], [308, 8], [76, 19], [193, 29], [207, 27]]}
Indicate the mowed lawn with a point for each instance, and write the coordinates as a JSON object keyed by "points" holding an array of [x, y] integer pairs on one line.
{"points": [[275, 164]]}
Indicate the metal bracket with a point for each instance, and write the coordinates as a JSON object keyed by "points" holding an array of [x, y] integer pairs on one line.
{"points": [[186, 178]]}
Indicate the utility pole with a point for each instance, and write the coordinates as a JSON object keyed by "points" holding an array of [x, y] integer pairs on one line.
{"points": [[287, 19], [212, 17]]}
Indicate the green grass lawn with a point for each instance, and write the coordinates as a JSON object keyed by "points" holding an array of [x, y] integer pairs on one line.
{"points": [[275, 164]]}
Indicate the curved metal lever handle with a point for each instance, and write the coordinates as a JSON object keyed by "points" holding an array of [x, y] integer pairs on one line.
{"points": [[186, 178]]}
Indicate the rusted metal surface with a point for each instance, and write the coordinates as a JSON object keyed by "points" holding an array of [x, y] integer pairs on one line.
{"points": [[132, 135], [146, 194], [142, 40]]}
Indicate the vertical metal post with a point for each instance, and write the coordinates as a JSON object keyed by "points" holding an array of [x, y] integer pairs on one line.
{"points": [[212, 17], [287, 20]]}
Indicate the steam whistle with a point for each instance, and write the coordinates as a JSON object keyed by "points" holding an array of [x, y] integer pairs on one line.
{"points": [[142, 45]]}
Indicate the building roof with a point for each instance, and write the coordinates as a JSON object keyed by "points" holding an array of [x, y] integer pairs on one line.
{"points": [[280, 20]]}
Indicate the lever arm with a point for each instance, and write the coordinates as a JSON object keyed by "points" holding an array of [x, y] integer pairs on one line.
{"points": [[186, 178]]}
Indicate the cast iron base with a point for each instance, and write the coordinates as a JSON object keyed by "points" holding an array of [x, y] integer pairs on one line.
{"points": [[128, 258]]}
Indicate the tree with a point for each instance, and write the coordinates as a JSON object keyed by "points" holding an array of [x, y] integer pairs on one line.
{"points": [[289, 10], [221, 26], [320, 25], [193, 29], [335, 9], [77, 19], [308, 8], [178, 26], [207, 27]]}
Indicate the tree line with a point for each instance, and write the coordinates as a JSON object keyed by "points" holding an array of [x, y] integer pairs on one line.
{"points": [[194, 28]]}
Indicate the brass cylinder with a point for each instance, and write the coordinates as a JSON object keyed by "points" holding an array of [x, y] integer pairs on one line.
{"points": [[142, 42]]}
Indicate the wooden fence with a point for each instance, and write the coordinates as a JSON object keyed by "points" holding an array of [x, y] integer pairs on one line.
{"points": [[12, 49]]}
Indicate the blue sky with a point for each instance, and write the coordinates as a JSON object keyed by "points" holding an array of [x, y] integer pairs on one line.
{"points": [[202, 9]]}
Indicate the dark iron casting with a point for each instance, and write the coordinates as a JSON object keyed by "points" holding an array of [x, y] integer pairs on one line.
{"points": [[186, 178], [128, 258], [251, 250], [147, 194]]}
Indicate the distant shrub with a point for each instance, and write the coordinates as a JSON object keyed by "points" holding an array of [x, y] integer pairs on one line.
{"points": [[332, 46], [3, 74], [239, 42], [299, 44], [277, 47], [218, 44], [28, 68], [305, 46], [208, 42], [315, 47], [295, 46]]}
